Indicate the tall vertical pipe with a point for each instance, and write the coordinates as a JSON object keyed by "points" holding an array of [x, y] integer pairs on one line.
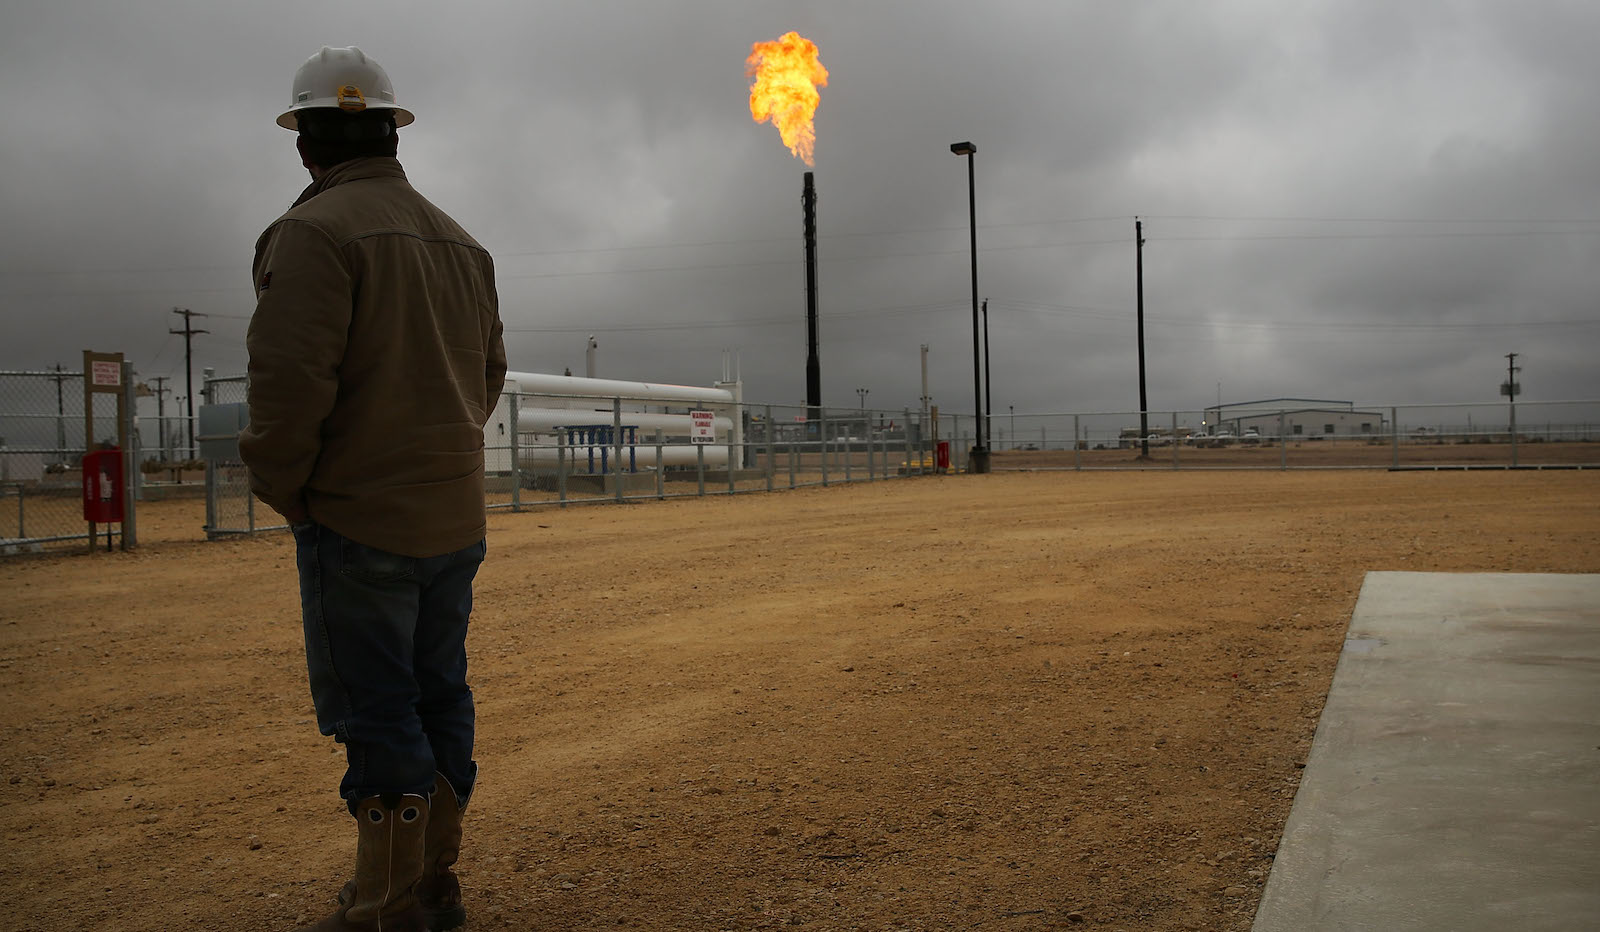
{"points": [[813, 361]]}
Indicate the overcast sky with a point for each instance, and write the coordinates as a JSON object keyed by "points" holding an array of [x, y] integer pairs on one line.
{"points": [[1370, 201]]}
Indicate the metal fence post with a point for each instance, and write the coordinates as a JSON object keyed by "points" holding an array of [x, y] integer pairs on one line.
{"points": [[1077, 452], [771, 450], [1394, 437], [822, 434], [849, 454], [616, 443], [661, 473], [1513, 425], [513, 409], [1283, 446], [130, 461], [868, 425], [905, 418], [211, 501], [906, 465], [1175, 443], [887, 454], [561, 466], [700, 467]]}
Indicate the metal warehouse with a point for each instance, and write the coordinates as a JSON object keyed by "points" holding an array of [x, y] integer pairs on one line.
{"points": [[1297, 417]]}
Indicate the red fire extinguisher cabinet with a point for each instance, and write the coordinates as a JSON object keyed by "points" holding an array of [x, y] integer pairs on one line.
{"points": [[102, 486]]}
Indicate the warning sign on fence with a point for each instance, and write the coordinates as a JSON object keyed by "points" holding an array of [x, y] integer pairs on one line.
{"points": [[106, 374], [702, 427]]}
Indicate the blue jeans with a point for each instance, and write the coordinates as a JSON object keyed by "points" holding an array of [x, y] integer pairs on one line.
{"points": [[386, 652]]}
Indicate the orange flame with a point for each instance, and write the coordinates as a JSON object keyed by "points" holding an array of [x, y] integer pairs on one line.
{"points": [[787, 75]]}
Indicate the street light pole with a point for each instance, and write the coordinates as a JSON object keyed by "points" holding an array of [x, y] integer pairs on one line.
{"points": [[979, 460], [1144, 404]]}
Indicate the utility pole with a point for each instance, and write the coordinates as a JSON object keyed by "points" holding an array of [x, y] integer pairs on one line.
{"points": [[161, 415], [188, 332], [1144, 404], [61, 424]]}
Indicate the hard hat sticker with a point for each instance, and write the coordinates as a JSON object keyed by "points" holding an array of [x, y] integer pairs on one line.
{"points": [[350, 98]]}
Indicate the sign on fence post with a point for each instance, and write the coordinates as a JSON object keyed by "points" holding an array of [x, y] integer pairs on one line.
{"points": [[702, 426]]}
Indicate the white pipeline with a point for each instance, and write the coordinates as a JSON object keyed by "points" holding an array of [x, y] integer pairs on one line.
{"points": [[544, 458], [551, 408], [647, 392], [550, 420]]}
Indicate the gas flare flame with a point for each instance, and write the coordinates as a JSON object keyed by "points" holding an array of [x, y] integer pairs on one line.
{"points": [[786, 76]]}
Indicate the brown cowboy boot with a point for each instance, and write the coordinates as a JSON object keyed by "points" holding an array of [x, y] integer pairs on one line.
{"points": [[438, 891], [383, 897]]}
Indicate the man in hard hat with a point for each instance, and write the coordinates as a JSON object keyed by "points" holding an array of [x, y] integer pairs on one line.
{"points": [[375, 360]]}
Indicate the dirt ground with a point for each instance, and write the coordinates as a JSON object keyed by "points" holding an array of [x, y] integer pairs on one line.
{"points": [[1013, 702]]}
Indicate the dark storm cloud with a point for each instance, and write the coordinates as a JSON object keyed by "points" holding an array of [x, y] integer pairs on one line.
{"points": [[604, 153]]}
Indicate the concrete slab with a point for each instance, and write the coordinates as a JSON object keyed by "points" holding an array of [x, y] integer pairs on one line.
{"points": [[1454, 781]]}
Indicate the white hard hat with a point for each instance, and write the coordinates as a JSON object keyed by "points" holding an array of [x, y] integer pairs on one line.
{"points": [[343, 79]]}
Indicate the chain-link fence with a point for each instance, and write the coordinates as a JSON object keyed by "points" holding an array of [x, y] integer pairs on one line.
{"points": [[230, 508], [43, 428], [552, 449], [1546, 435], [547, 449]]}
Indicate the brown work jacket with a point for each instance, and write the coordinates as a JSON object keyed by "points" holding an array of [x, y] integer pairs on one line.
{"points": [[375, 360]]}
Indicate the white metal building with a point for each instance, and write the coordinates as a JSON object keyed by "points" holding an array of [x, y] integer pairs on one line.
{"points": [[1297, 417]]}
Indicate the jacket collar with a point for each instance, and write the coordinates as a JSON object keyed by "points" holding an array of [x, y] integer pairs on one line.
{"points": [[354, 170]]}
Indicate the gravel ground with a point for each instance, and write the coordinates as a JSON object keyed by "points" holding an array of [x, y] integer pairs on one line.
{"points": [[1020, 701]]}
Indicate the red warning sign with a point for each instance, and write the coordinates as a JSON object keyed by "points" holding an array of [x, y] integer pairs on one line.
{"points": [[702, 427], [105, 374]]}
